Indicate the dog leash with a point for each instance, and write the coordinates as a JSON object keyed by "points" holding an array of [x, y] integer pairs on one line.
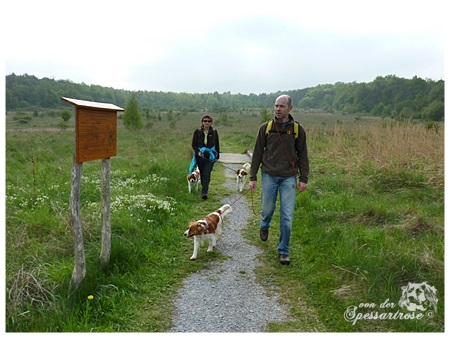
{"points": [[223, 165], [253, 207], [245, 193]]}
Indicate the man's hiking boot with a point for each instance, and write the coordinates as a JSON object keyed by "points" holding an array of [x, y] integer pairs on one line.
{"points": [[264, 234], [204, 196], [284, 259]]}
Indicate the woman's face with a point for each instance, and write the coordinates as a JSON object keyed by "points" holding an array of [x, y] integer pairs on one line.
{"points": [[206, 122]]}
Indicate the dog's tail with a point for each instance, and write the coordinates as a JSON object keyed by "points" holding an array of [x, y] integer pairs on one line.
{"points": [[226, 208]]}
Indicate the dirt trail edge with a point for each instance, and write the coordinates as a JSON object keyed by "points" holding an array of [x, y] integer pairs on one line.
{"points": [[227, 297]]}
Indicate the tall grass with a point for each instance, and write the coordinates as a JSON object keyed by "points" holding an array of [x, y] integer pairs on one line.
{"points": [[384, 147], [370, 222]]}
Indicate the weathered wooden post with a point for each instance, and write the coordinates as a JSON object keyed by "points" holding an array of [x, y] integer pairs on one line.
{"points": [[95, 138]]}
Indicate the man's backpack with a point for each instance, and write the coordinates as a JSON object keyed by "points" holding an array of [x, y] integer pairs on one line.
{"points": [[269, 129]]}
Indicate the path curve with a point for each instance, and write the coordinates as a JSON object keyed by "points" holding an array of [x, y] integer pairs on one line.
{"points": [[227, 297]]}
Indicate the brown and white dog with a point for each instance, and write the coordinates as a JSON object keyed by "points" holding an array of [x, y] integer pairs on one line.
{"points": [[193, 179], [241, 176], [207, 228]]}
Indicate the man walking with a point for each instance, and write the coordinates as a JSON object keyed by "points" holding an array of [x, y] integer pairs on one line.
{"points": [[280, 150]]}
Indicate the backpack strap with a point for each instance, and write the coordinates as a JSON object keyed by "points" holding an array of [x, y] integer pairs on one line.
{"points": [[269, 129]]}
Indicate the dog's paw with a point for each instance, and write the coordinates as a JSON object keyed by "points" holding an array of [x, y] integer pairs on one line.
{"points": [[193, 258]]}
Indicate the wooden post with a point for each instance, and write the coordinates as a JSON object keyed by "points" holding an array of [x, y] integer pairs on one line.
{"points": [[79, 270], [95, 138], [106, 212]]}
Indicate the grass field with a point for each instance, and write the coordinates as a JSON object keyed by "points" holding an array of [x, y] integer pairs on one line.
{"points": [[371, 221]]}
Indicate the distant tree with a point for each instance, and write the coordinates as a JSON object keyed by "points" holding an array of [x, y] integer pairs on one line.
{"points": [[132, 118], [265, 115], [305, 103], [435, 111], [147, 113], [66, 115]]}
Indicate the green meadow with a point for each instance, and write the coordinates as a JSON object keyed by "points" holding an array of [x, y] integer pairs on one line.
{"points": [[370, 222]]}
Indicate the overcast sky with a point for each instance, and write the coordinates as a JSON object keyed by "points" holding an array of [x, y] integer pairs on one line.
{"points": [[237, 46]]}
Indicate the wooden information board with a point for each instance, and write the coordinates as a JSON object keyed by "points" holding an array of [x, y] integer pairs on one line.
{"points": [[96, 138], [96, 129]]}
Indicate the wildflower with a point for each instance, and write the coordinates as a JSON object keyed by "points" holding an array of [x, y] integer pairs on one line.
{"points": [[90, 297]]}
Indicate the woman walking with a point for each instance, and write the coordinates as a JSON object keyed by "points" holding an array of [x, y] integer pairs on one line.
{"points": [[205, 143]]}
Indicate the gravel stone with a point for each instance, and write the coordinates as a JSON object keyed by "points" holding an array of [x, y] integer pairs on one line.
{"points": [[227, 296]]}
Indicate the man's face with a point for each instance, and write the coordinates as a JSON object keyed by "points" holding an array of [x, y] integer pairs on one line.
{"points": [[282, 108]]}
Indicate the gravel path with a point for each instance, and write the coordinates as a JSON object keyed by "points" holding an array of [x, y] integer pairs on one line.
{"points": [[227, 296]]}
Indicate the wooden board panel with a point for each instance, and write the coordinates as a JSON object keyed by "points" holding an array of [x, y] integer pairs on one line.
{"points": [[96, 134]]}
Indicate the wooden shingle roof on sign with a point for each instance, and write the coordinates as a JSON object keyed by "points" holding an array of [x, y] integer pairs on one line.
{"points": [[92, 105]]}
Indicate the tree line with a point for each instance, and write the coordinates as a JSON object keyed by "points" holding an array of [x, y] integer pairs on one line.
{"points": [[388, 96]]}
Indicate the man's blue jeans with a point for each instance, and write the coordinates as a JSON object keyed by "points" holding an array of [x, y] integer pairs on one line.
{"points": [[286, 186]]}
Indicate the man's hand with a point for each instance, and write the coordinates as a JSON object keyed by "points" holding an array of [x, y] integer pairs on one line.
{"points": [[301, 186], [252, 185]]}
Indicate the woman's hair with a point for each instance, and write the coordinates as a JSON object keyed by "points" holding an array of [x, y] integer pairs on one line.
{"points": [[207, 116]]}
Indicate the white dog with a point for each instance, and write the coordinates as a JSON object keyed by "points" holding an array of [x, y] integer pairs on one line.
{"points": [[241, 176], [207, 228], [418, 297], [193, 179]]}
